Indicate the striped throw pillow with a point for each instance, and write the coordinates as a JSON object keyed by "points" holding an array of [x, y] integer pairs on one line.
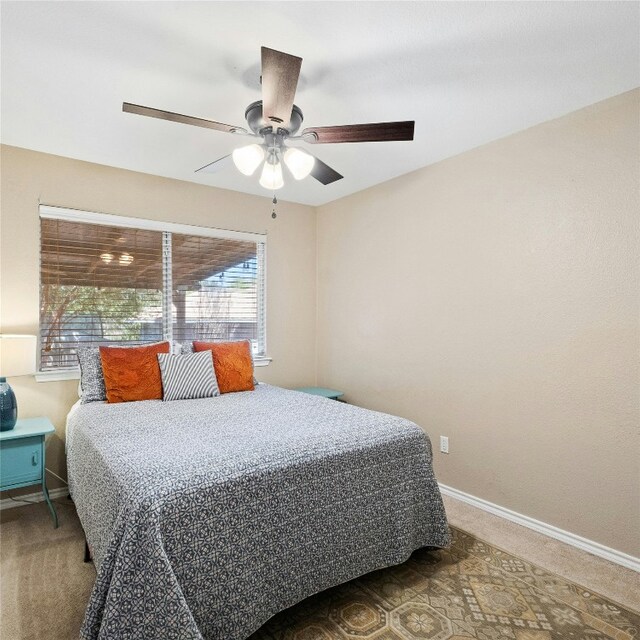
{"points": [[187, 376]]}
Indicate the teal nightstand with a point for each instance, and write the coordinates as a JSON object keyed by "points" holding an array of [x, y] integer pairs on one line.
{"points": [[22, 461], [332, 394]]}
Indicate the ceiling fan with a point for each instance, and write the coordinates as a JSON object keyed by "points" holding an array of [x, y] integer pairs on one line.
{"points": [[274, 121]]}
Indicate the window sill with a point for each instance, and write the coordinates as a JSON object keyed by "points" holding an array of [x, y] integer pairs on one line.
{"points": [[74, 374], [58, 374]]}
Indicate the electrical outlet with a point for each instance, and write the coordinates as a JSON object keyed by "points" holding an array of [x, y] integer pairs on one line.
{"points": [[444, 444]]}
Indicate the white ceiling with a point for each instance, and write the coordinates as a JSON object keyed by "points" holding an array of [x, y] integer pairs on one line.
{"points": [[467, 73]]}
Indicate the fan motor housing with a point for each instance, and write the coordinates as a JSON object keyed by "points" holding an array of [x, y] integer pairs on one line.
{"points": [[259, 125]]}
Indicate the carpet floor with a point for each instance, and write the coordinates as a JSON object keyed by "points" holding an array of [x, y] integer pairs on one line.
{"points": [[472, 590]]}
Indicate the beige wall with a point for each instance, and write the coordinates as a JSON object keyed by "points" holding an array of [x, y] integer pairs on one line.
{"points": [[29, 178], [493, 298]]}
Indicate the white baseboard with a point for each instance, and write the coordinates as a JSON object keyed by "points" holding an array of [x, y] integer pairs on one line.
{"points": [[8, 503], [567, 537]]}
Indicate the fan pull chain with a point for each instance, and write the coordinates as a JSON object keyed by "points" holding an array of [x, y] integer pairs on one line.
{"points": [[275, 202]]}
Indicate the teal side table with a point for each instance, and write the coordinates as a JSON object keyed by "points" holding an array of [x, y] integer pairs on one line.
{"points": [[22, 461], [332, 394]]}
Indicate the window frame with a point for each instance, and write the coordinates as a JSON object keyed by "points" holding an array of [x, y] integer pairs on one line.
{"points": [[92, 217]]}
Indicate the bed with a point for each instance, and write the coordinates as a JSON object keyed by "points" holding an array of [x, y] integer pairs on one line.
{"points": [[207, 517]]}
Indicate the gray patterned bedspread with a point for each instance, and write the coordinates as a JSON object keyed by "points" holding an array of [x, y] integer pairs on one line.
{"points": [[207, 517]]}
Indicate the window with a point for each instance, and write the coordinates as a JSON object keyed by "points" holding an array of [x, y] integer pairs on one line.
{"points": [[111, 280]]}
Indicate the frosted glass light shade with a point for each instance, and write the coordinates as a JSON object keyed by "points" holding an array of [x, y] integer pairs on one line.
{"points": [[299, 163], [17, 355], [271, 177], [248, 158]]}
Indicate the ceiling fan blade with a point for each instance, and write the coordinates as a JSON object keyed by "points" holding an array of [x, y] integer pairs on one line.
{"points": [[373, 132], [177, 117], [280, 73], [324, 173], [216, 165]]}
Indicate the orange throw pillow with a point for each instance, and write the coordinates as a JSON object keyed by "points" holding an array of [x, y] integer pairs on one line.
{"points": [[232, 362], [132, 373]]}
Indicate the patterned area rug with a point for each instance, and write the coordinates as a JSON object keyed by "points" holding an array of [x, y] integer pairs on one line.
{"points": [[472, 590]]}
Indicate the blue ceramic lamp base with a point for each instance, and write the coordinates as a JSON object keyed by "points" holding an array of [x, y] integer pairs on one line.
{"points": [[8, 406]]}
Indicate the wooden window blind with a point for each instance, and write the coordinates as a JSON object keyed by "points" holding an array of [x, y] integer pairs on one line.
{"points": [[216, 289], [103, 284]]}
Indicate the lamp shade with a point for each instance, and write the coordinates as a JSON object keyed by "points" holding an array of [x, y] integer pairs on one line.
{"points": [[299, 162], [271, 177], [248, 158], [17, 355]]}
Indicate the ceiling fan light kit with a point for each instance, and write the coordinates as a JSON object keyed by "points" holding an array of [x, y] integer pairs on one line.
{"points": [[274, 120], [247, 159], [271, 177], [299, 162]]}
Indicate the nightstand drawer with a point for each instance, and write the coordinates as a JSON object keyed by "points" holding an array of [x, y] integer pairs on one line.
{"points": [[20, 461]]}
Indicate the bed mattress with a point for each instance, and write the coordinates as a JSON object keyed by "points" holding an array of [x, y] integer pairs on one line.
{"points": [[206, 517]]}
